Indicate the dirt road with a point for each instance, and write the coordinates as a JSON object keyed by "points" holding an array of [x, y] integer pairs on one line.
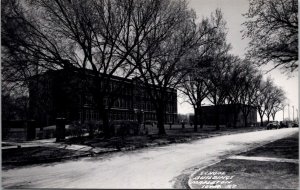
{"points": [[146, 168]]}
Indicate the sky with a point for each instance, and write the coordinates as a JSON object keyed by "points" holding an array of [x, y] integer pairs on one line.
{"points": [[232, 12]]}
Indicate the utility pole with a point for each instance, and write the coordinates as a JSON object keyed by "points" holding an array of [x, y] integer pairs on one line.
{"points": [[293, 113], [283, 113], [289, 110]]}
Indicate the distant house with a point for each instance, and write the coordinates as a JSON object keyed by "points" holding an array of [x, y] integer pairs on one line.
{"points": [[63, 94], [227, 114]]}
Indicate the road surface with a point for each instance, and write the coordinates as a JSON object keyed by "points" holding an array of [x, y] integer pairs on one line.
{"points": [[155, 167]]}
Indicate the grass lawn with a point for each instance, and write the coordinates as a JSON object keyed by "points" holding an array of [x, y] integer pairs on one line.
{"points": [[247, 174], [32, 155], [283, 148], [173, 135]]}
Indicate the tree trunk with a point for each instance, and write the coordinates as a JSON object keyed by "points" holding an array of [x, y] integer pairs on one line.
{"points": [[104, 113], [245, 120], [106, 128], [82, 119], [268, 118], [273, 116], [261, 120], [200, 117], [160, 121], [217, 117], [235, 115], [245, 112], [236, 111], [196, 119]]}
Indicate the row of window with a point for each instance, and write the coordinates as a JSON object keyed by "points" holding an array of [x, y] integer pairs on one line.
{"points": [[116, 86], [92, 115], [143, 94], [127, 103], [89, 115], [121, 115]]}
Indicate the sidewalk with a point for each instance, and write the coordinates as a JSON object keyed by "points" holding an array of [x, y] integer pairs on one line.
{"points": [[52, 144], [45, 151], [272, 166]]}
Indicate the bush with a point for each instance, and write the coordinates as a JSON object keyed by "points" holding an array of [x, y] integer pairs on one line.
{"points": [[76, 129], [93, 127], [124, 128]]}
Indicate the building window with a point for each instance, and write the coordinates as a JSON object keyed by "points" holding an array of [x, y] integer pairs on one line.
{"points": [[80, 116], [92, 115], [86, 115]]}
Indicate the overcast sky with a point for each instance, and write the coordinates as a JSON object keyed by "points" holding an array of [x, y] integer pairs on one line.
{"points": [[232, 11]]}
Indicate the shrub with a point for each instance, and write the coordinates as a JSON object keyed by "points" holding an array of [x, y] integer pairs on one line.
{"points": [[76, 129], [124, 128]]}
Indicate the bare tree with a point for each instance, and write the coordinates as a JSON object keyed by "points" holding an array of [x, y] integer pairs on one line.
{"points": [[235, 86], [77, 36], [194, 87], [160, 56], [251, 83], [263, 98], [194, 84], [277, 98], [217, 84], [272, 26], [275, 110]]}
